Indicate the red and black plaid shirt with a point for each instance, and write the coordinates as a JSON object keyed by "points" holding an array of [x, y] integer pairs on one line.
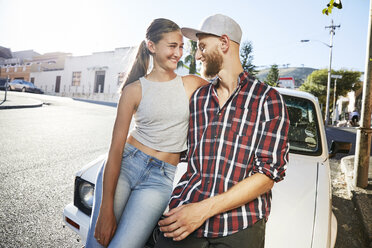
{"points": [[247, 135]]}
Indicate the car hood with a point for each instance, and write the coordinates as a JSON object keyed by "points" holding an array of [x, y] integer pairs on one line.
{"points": [[293, 202], [89, 171]]}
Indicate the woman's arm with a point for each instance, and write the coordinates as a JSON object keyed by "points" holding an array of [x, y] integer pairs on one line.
{"points": [[192, 82], [106, 222]]}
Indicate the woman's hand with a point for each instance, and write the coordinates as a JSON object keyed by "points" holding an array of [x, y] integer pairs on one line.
{"points": [[105, 227]]}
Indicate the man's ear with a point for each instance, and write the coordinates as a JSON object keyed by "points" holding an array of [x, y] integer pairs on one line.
{"points": [[151, 46], [225, 43]]}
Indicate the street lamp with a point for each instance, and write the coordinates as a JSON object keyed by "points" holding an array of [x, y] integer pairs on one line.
{"points": [[332, 32], [326, 118]]}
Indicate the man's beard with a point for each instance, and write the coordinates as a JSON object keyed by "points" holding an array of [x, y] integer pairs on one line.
{"points": [[212, 64]]}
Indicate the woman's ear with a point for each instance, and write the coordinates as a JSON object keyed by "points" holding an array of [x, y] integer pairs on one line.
{"points": [[151, 46], [225, 43]]}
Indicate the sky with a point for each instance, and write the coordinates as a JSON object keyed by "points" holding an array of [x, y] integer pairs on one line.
{"points": [[275, 27]]}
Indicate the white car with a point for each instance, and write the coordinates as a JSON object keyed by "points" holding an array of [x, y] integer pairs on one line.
{"points": [[301, 214]]}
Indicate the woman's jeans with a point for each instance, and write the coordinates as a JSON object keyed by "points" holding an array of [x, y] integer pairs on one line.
{"points": [[142, 193]]}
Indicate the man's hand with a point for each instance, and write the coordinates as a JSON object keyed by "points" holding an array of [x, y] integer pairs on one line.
{"points": [[105, 227], [183, 220]]}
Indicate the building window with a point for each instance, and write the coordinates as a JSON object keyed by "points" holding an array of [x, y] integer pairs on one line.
{"points": [[121, 76], [76, 78]]}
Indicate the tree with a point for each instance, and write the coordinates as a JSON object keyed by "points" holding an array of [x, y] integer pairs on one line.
{"points": [[246, 57], [330, 5], [190, 59], [316, 84], [273, 76]]}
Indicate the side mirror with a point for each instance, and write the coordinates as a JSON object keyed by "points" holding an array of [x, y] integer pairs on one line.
{"points": [[339, 147]]}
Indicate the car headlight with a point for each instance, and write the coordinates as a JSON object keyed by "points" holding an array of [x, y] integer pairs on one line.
{"points": [[83, 196], [86, 192]]}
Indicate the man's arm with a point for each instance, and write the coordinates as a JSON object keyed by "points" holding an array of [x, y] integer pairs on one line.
{"points": [[183, 220]]}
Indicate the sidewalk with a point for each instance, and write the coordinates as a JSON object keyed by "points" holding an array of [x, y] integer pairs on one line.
{"points": [[18, 100], [362, 198]]}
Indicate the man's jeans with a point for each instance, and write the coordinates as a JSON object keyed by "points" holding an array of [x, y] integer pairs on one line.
{"points": [[251, 237], [142, 194]]}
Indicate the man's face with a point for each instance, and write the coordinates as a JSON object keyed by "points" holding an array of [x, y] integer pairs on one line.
{"points": [[210, 56]]}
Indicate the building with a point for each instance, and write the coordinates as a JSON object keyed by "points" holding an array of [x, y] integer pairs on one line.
{"points": [[47, 68], [345, 105], [286, 82], [97, 76], [5, 53], [18, 66]]}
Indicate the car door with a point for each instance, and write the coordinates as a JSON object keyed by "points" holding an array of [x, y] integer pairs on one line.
{"points": [[30, 87], [294, 221], [18, 85], [291, 221]]}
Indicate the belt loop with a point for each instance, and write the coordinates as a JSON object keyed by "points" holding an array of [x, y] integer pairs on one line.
{"points": [[134, 153]]}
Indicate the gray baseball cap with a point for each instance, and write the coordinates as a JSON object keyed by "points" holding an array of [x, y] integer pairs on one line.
{"points": [[216, 25]]}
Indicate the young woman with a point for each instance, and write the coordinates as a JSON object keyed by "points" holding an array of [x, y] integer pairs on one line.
{"points": [[138, 175]]}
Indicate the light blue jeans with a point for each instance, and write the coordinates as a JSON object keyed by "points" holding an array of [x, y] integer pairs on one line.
{"points": [[142, 193]]}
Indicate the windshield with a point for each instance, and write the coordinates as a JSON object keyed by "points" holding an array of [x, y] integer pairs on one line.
{"points": [[303, 134]]}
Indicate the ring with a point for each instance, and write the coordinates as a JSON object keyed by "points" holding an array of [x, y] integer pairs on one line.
{"points": [[98, 239]]}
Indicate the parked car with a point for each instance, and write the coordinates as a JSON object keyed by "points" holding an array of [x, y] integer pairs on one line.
{"points": [[301, 214], [24, 86], [3, 83]]}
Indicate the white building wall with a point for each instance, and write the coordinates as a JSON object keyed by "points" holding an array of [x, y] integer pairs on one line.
{"points": [[46, 80], [113, 63], [182, 71]]}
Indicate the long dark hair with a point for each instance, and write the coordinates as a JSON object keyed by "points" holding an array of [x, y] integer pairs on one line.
{"points": [[154, 33]]}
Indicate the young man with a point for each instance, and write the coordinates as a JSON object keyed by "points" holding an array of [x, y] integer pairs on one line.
{"points": [[237, 149]]}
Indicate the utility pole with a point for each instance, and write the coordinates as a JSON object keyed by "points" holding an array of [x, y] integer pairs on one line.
{"points": [[334, 96], [363, 140], [332, 32]]}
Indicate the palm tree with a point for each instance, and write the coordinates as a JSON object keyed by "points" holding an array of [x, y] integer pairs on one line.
{"points": [[190, 59]]}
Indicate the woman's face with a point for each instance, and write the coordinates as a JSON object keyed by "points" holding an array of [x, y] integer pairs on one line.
{"points": [[168, 51]]}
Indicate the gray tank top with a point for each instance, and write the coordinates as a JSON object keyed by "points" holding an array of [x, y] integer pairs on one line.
{"points": [[162, 117]]}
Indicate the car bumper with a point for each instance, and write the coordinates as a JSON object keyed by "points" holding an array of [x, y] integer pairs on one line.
{"points": [[76, 220]]}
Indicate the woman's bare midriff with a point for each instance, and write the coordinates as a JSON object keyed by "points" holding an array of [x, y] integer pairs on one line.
{"points": [[170, 158]]}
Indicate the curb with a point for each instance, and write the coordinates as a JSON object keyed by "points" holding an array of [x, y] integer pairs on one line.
{"points": [[22, 106], [17, 100], [361, 198], [363, 204]]}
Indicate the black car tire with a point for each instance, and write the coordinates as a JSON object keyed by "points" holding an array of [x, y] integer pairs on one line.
{"points": [[23, 89]]}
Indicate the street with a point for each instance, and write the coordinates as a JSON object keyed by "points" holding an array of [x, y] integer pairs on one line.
{"points": [[41, 150], [349, 233], [43, 147]]}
